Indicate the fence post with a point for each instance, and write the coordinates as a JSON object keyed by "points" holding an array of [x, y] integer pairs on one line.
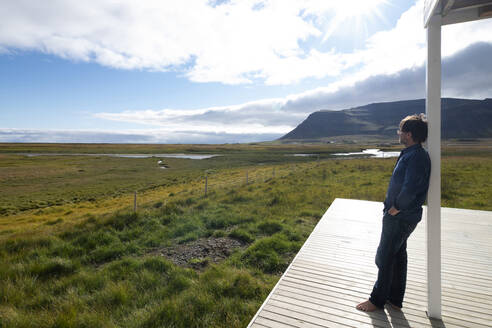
{"points": [[206, 184], [135, 202], [273, 172], [246, 177]]}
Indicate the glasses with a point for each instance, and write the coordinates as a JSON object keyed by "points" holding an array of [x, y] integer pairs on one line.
{"points": [[398, 131]]}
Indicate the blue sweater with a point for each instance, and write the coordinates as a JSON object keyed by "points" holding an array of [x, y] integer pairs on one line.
{"points": [[409, 183]]}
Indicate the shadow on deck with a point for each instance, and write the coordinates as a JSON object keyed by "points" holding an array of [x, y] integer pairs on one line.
{"points": [[334, 270]]}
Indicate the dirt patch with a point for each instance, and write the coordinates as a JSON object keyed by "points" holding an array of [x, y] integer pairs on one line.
{"points": [[199, 253]]}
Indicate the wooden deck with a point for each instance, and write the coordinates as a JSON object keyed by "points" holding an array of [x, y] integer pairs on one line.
{"points": [[335, 270]]}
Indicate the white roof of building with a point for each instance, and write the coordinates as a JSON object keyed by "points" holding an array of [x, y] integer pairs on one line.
{"points": [[457, 11]]}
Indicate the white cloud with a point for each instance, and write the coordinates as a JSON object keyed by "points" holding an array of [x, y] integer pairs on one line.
{"points": [[262, 117], [135, 136], [404, 46], [226, 43], [243, 41], [236, 41], [466, 74], [232, 42]]}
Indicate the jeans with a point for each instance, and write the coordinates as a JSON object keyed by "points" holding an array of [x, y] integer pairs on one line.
{"points": [[391, 260]]}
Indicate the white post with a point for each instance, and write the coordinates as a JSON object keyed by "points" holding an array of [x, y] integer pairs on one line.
{"points": [[433, 111]]}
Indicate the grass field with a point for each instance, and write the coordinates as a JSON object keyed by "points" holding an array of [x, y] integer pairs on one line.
{"points": [[43, 181], [74, 254]]}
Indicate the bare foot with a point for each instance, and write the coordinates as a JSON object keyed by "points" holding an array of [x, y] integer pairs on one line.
{"points": [[366, 306], [393, 306]]}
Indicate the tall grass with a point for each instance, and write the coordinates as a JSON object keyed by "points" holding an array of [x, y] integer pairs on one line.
{"points": [[103, 270]]}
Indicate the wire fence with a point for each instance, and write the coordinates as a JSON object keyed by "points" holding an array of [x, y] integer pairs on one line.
{"points": [[216, 182]]}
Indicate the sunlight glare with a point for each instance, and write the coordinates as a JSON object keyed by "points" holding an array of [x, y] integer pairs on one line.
{"points": [[357, 8], [359, 12]]}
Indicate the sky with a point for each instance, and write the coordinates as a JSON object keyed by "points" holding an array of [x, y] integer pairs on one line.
{"points": [[216, 71]]}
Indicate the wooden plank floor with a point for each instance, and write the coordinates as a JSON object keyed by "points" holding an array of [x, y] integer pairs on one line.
{"points": [[335, 270]]}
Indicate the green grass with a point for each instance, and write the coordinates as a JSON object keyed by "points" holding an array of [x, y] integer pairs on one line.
{"points": [[98, 267], [40, 182]]}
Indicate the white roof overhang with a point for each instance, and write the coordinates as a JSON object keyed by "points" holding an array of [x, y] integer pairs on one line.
{"points": [[457, 11]]}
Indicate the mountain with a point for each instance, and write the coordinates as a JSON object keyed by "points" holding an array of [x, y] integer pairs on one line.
{"points": [[460, 118]]}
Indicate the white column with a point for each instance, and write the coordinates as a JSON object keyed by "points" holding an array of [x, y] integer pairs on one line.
{"points": [[433, 111]]}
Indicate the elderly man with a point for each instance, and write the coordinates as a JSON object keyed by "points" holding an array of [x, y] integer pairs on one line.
{"points": [[406, 193]]}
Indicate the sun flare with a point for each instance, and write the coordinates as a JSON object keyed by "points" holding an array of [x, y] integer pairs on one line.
{"points": [[357, 8], [358, 12]]}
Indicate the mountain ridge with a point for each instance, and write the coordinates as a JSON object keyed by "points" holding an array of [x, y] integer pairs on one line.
{"points": [[460, 118]]}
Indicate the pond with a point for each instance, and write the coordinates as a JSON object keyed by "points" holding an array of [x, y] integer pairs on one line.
{"points": [[302, 155], [373, 153]]}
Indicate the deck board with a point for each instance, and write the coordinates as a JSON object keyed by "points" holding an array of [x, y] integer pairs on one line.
{"points": [[335, 270]]}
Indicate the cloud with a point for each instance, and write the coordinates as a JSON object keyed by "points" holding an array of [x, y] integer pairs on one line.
{"points": [[142, 136], [466, 74], [231, 42], [404, 46], [264, 117], [67, 136], [243, 41]]}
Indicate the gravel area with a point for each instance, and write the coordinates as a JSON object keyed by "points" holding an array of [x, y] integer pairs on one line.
{"points": [[197, 254]]}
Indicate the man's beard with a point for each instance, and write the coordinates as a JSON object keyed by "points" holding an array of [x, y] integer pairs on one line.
{"points": [[403, 140]]}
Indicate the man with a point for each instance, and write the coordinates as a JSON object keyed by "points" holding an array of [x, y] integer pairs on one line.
{"points": [[406, 193]]}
